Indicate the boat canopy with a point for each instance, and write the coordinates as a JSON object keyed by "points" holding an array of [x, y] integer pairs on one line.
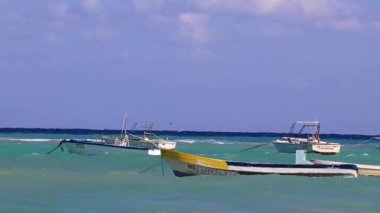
{"points": [[303, 124], [311, 123]]}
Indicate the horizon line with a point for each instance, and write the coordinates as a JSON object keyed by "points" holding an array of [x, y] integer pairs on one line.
{"points": [[203, 132]]}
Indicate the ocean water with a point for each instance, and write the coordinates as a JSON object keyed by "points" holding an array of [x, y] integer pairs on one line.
{"points": [[32, 181]]}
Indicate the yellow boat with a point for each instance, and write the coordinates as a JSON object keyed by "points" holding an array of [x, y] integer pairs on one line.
{"points": [[363, 169], [184, 164]]}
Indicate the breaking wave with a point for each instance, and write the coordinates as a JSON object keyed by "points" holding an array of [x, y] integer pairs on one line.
{"points": [[210, 141], [185, 141], [29, 139]]}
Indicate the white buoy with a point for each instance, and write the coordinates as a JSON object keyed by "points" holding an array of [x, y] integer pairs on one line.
{"points": [[154, 152]]}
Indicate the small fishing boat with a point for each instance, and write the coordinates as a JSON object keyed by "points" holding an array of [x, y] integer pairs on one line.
{"points": [[148, 139], [126, 142], [131, 140], [184, 164], [149, 142], [310, 142], [363, 169], [93, 147]]}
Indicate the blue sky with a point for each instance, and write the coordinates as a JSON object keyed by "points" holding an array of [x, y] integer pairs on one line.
{"points": [[219, 65]]}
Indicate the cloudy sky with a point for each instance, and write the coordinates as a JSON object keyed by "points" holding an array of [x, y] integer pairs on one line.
{"points": [[220, 65]]}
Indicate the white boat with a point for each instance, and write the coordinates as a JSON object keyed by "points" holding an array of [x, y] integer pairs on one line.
{"points": [[148, 137], [184, 164], [311, 142], [148, 141], [132, 140]]}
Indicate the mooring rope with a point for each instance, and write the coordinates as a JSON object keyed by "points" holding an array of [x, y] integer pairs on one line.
{"points": [[151, 167], [58, 146], [364, 142], [256, 146], [161, 161]]}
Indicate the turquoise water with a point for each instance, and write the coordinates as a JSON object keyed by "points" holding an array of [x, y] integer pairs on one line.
{"points": [[32, 181]]}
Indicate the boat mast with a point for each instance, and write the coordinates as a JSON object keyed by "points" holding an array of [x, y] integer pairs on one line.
{"points": [[134, 127], [148, 128], [317, 133], [124, 128]]}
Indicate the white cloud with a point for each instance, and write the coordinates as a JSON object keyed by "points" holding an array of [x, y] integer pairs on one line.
{"points": [[351, 24], [193, 26], [277, 31], [61, 14], [147, 5], [60, 10], [99, 33], [340, 15], [92, 5], [126, 55], [348, 24], [52, 38], [376, 25], [300, 8], [10, 16], [324, 8], [299, 83], [201, 53]]}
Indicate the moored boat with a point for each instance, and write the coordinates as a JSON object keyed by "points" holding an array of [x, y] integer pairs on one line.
{"points": [[363, 169], [131, 140], [184, 164], [148, 139], [162, 143], [311, 143], [148, 142], [93, 147]]}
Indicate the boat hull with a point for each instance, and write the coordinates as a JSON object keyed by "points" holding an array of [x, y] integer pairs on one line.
{"points": [[363, 169], [326, 148], [184, 164], [163, 144], [160, 143], [94, 148]]}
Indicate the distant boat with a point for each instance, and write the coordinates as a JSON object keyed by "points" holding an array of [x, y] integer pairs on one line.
{"points": [[149, 142], [148, 138], [311, 143], [126, 142], [184, 164], [363, 169], [93, 147]]}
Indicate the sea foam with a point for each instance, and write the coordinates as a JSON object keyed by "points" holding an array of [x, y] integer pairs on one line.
{"points": [[29, 139]]}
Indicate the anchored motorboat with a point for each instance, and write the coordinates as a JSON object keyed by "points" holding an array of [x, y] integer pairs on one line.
{"points": [[311, 142]]}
